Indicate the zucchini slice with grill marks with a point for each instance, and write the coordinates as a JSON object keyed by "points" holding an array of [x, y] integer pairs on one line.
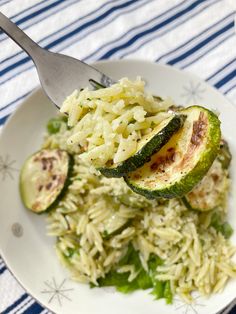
{"points": [[211, 192], [147, 146], [183, 161], [44, 178]]}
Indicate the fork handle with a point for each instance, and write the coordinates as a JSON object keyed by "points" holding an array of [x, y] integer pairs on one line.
{"points": [[19, 37]]}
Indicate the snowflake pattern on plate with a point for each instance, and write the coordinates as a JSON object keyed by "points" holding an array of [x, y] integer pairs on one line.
{"points": [[57, 291], [182, 307], [7, 168], [193, 92]]}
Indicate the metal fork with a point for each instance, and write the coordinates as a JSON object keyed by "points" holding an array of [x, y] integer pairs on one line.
{"points": [[59, 75]]}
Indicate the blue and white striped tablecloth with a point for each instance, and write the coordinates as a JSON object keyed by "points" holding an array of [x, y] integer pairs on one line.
{"points": [[197, 35]]}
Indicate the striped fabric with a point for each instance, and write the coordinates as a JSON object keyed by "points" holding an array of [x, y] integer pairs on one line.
{"points": [[197, 35]]}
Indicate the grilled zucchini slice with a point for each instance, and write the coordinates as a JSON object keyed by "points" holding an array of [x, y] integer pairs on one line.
{"points": [[183, 161], [43, 179], [211, 192], [147, 146]]}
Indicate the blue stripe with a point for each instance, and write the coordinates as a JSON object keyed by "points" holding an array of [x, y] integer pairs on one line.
{"points": [[4, 119], [151, 30], [221, 69], [141, 3], [13, 18], [232, 311], [128, 10], [226, 79], [198, 57], [89, 23], [5, 1], [194, 13], [15, 100], [201, 44], [77, 30], [97, 19], [192, 39], [11, 307], [31, 16], [169, 11], [1, 263], [28, 9], [228, 90], [35, 308], [40, 11], [4, 267], [74, 23]]}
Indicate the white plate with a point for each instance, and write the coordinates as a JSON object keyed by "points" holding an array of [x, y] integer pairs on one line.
{"points": [[29, 253]]}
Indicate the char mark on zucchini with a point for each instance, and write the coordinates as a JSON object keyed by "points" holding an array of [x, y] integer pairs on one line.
{"points": [[183, 161], [199, 129]]}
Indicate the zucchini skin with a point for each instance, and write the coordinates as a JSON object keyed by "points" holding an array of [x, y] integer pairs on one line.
{"points": [[145, 153], [187, 183], [186, 203]]}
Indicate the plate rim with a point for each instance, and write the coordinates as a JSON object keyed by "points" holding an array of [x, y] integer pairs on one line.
{"points": [[38, 89]]}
